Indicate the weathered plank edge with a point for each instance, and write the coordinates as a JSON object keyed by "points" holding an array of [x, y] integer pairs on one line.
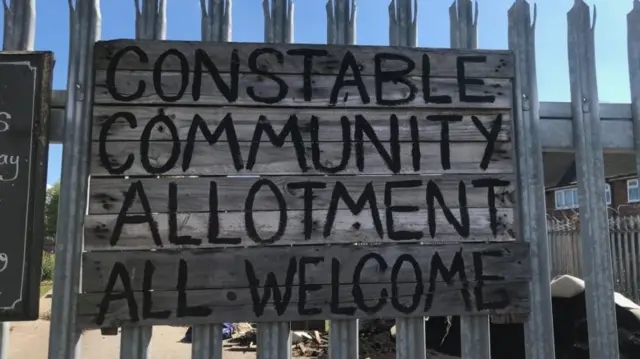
{"points": [[445, 297], [106, 195], [218, 264], [108, 48]]}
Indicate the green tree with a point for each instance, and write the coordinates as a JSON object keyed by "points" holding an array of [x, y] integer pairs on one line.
{"points": [[51, 212]]}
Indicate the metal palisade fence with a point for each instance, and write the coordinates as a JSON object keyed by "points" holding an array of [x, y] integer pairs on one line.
{"points": [[581, 117], [624, 231]]}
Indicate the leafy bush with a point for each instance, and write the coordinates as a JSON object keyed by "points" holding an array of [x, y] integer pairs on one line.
{"points": [[51, 212], [48, 262]]}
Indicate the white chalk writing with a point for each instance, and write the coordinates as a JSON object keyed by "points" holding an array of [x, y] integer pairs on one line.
{"points": [[4, 261], [5, 159]]}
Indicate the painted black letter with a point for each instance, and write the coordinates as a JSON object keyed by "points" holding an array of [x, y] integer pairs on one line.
{"points": [[184, 310], [395, 76], [118, 270], [135, 188], [147, 302], [173, 220], [291, 127], [434, 192], [491, 137], [304, 287], [253, 66], [457, 266], [363, 127], [225, 125], [308, 202], [463, 81], [184, 75], [105, 159], [214, 223], [445, 155], [391, 232], [271, 285], [349, 61], [111, 74], [368, 196], [426, 84], [248, 212], [358, 295], [490, 184], [229, 92], [415, 143], [335, 291], [308, 55], [395, 296], [145, 137], [346, 146], [481, 277]]}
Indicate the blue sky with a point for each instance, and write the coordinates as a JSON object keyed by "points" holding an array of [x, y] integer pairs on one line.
{"points": [[372, 29]]}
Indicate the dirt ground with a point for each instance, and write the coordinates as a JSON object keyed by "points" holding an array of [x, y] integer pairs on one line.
{"points": [[31, 340]]}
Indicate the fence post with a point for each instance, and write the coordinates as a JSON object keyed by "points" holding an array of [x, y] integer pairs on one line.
{"points": [[596, 248], [19, 34], [341, 22], [474, 330], [464, 25], [403, 25], [532, 225], [278, 21], [19, 25], [216, 20], [341, 19], [151, 19], [84, 30], [633, 49], [151, 24], [274, 339], [635, 257], [216, 27]]}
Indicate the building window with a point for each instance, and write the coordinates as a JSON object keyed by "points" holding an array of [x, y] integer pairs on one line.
{"points": [[568, 198], [633, 192]]}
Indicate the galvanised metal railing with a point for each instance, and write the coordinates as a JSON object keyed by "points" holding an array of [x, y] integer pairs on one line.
{"points": [[574, 126]]}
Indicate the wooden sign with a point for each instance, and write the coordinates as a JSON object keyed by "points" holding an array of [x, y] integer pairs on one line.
{"points": [[25, 95], [257, 182]]}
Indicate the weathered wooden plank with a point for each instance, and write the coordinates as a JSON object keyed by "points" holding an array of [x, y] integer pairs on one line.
{"points": [[128, 82], [221, 305], [464, 158], [429, 126], [346, 228], [234, 267], [443, 62], [107, 194]]}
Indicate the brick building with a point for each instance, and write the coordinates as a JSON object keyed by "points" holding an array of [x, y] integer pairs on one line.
{"points": [[622, 190], [621, 193]]}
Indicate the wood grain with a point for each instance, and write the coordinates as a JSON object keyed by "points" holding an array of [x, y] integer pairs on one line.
{"points": [[447, 301], [498, 64], [330, 129], [127, 82], [226, 268], [217, 273], [465, 158], [107, 194], [347, 228]]}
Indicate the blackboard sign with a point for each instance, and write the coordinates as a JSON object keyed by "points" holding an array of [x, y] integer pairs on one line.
{"points": [[25, 93]]}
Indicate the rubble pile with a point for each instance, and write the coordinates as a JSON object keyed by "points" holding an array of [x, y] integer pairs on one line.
{"points": [[376, 340]]}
